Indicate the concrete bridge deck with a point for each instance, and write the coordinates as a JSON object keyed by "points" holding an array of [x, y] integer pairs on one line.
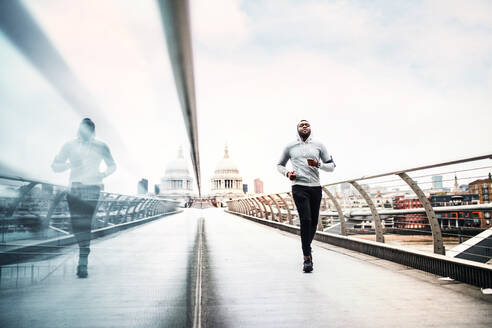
{"points": [[251, 277]]}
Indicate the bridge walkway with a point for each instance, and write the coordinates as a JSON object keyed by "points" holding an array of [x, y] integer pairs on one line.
{"points": [[255, 280], [251, 277], [137, 278]]}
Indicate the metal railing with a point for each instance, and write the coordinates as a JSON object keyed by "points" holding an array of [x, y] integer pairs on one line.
{"points": [[32, 211], [382, 217], [175, 17]]}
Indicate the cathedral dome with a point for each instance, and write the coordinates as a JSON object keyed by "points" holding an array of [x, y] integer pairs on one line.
{"points": [[226, 181], [178, 167], [177, 182], [226, 166]]}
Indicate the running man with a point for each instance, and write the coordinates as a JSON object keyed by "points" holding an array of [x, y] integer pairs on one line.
{"points": [[307, 157], [83, 156]]}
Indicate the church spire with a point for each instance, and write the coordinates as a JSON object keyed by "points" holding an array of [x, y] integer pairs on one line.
{"points": [[226, 152], [456, 186]]}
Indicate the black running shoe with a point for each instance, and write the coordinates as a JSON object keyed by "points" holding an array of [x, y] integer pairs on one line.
{"points": [[308, 266], [82, 271]]}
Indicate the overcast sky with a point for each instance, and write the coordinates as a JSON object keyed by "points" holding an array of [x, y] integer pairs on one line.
{"points": [[386, 85]]}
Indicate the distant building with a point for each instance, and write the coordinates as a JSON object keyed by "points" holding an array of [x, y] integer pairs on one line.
{"points": [[408, 221], [245, 188], [143, 187], [453, 200], [258, 186], [437, 182], [226, 182], [483, 189], [457, 218], [448, 219], [177, 182], [157, 190], [456, 188]]}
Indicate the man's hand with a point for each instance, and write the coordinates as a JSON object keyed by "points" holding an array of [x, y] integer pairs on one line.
{"points": [[291, 175], [312, 162]]}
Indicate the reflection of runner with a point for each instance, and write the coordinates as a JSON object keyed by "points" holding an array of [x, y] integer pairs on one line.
{"points": [[83, 157], [306, 156]]}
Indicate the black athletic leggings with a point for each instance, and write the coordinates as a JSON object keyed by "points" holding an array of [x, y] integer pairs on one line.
{"points": [[82, 203], [307, 201]]}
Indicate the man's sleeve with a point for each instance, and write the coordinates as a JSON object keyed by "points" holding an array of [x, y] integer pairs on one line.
{"points": [[326, 164], [60, 163], [108, 159], [283, 160]]}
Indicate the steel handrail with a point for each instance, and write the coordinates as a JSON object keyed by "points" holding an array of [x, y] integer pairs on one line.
{"points": [[176, 21], [427, 207]]}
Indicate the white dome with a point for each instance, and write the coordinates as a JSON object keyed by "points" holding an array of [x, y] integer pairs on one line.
{"points": [[226, 166], [226, 181], [177, 167]]}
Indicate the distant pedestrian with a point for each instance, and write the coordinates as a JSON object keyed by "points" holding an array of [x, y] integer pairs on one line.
{"points": [[307, 157], [83, 157]]}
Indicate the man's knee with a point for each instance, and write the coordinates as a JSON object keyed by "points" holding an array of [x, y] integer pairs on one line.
{"points": [[306, 221]]}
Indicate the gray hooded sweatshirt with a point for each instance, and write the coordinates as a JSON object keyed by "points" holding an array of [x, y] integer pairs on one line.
{"points": [[298, 152]]}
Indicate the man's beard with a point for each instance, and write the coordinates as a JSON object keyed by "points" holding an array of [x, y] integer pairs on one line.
{"points": [[85, 136], [304, 136]]}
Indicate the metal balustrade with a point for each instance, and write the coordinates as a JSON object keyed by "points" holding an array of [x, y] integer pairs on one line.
{"points": [[469, 252], [33, 211], [280, 207]]}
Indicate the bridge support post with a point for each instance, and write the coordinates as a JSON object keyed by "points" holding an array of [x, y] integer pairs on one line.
{"points": [[129, 205], [375, 215], [242, 207], [431, 215], [54, 203], [246, 207], [289, 215], [237, 206], [278, 209], [254, 209], [143, 209], [137, 208], [150, 211], [99, 204], [292, 201], [24, 190], [265, 214], [107, 217], [259, 207], [341, 217], [270, 206]]}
